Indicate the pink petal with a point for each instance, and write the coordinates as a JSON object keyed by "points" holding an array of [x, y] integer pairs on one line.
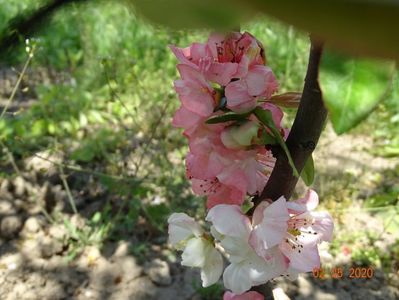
{"points": [[246, 296], [323, 225], [195, 98], [261, 81], [305, 261], [192, 74], [190, 55], [307, 203], [182, 55], [277, 113], [226, 195], [186, 119], [221, 73], [236, 93]]}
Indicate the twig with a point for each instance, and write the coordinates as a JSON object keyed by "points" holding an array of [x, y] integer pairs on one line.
{"points": [[152, 135], [68, 191], [21, 75], [114, 95], [87, 171], [11, 158]]}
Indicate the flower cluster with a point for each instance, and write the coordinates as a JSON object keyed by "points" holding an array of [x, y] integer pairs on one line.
{"points": [[228, 73], [280, 240], [229, 120]]}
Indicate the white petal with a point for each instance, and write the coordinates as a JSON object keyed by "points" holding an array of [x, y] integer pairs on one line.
{"points": [[217, 235], [240, 277], [236, 278], [194, 254], [213, 268], [229, 220], [236, 248], [181, 227]]}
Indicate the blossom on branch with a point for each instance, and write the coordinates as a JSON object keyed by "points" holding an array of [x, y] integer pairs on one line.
{"points": [[226, 161], [231, 124]]}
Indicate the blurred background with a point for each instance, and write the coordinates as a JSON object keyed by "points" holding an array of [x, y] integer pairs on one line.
{"points": [[91, 168]]}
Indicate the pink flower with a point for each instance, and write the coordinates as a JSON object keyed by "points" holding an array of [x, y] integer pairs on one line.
{"points": [[294, 228], [242, 95], [245, 296], [242, 49], [199, 57]]}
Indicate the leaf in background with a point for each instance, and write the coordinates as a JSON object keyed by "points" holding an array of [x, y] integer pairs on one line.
{"points": [[307, 173], [265, 116], [180, 14], [352, 88], [360, 27]]}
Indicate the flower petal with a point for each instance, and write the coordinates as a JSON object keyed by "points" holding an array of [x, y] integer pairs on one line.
{"points": [[307, 203], [194, 255], [181, 227], [303, 260], [323, 225], [273, 227], [229, 220], [221, 73], [213, 267], [236, 278], [245, 296]]}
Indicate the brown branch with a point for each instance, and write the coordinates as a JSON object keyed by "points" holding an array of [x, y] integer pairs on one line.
{"points": [[302, 140], [304, 135]]}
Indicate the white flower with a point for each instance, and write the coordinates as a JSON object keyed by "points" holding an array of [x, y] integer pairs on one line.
{"points": [[247, 269], [198, 251]]}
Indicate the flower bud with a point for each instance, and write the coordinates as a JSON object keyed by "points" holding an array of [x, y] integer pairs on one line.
{"points": [[236, 137]]}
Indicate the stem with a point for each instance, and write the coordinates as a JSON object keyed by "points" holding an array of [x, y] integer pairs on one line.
{"points": [[68, 191], [302, 140], [15, 89]]}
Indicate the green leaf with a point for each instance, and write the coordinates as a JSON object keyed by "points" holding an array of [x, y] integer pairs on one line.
{"points": [[360, 27], [227, 117], [307, 173], [266, 118], [180, 14], [352, 88], [266, 139]]}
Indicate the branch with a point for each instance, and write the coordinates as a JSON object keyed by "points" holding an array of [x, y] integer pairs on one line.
{"points": [[302, 140]]}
